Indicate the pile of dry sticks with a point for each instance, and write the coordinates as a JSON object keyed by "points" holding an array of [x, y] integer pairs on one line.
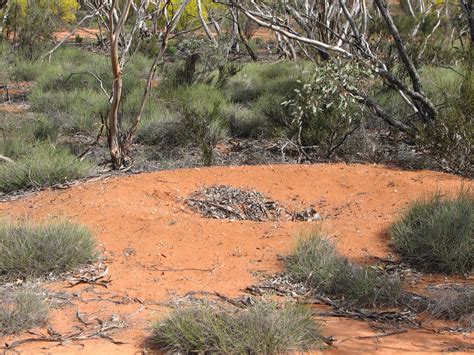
{"points": [[226, 202]]}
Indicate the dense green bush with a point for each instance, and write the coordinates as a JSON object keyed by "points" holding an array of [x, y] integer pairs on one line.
{"points": [[450, 139], [246, 123], [21, 310], [255, 80], [23, 70], [163, 128], [317, 263], [36, 250], [322, 111], [44, 165], [72, 87], [32, 26], [264, 328], [46, 129], [437, 234], [201, 107], [80, 110], [13, 147]]}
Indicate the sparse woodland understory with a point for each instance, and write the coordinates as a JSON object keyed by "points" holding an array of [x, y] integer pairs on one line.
{"points": [[159, 81]]}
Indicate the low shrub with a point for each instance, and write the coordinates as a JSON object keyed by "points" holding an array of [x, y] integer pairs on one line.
{"points": [[80, 110], [263, 328], [21, 310], [246, 123], [25, 70], [46, 129], [255, 80], [201, 108], [270, 106], [450, 140], [317, 263], [321, 111], [69, 87], [437, 234], [13, 147], [36, 250], [454, 305], [44, 165], [165, 130]]}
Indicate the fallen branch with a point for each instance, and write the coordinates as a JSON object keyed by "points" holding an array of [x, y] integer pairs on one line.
{"points": [[376, 336], [99, 279], [168, 269], [6, 159], [74, 30]]}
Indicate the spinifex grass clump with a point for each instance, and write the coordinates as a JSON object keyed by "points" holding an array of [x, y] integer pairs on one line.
{"points": [[317, 263], [21, 310], [36, 250], [263, 328], [44, 165], [437, 234]]}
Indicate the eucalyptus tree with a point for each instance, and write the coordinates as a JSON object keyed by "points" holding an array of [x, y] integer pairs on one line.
{"points": [[328, 29]]}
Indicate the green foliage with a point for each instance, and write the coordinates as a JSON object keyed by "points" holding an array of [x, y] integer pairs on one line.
{"points": [[190, 17], [246, 123], [46, 130], [37, 250], [323, 110], [31, 24], [437, 234], [201, 107], [70, 88], [317, 263], [79, 111], [263, 328], [316, 256], [261, 89], [22, 70], [164, 129], [256, 80], [21, 310], [13, 147], [200, 62], [44, 165], [450, 139]]}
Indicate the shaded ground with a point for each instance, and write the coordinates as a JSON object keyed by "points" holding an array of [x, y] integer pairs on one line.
{"points": [[157, 250]]}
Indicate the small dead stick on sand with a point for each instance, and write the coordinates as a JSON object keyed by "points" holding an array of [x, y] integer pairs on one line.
{"points": [[168, 269], [376, 336]]}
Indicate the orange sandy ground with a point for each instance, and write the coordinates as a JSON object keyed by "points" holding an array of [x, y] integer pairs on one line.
{"points": [[143, 226]]}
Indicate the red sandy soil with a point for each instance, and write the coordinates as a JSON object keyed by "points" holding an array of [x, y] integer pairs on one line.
{"points": [[14, 90], [86, 33], [145, 229]]}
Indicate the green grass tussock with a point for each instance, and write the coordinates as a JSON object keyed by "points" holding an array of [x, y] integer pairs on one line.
{"points": [[316, 262], [21, 310], [36, 250], [263, 328], [44, 165], [437, 234]]}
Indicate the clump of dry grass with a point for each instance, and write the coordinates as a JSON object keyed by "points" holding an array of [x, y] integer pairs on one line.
{"points": [[454, 305], [21, 310]]}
